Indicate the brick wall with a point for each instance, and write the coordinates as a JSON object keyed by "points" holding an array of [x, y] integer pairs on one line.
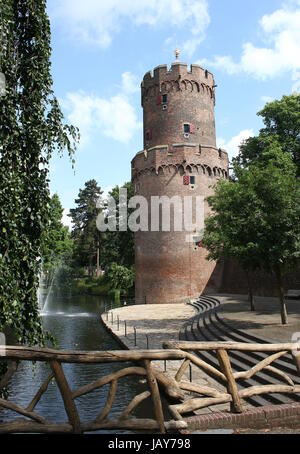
{"points": [[168, 268]]}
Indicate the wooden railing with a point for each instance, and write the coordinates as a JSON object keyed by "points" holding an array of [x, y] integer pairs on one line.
{"points": [[232, 394], [142, 365]]}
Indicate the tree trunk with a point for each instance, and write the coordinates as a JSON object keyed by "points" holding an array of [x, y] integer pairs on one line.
{"points": [[250, 291], [283, 311], [98, 261], [91, 271]]}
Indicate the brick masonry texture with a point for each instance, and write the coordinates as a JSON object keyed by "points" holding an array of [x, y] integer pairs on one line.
{"points": [[264, 284], [262, 417], [168, 268], [190, 99]]}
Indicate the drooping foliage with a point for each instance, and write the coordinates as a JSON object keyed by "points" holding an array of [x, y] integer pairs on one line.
{"points": [[31, 129]]}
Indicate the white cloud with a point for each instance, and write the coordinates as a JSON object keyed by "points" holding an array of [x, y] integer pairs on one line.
{"points": [[96, 21], [266, 99], [232, 146], [114, 117], [130, 83], [280, 51], [296, 80]]}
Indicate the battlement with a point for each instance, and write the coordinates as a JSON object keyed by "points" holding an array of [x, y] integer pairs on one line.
{"points": [[178, 70], [177, 155]]}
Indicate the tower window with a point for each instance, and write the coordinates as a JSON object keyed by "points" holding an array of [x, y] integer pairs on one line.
{"points": [[189, 180], [187, 128], [165, 99]]}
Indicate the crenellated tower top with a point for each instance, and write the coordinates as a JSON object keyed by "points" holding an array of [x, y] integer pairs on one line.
{"points": [[178, 105]]}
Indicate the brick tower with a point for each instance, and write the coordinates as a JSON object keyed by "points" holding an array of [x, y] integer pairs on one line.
{"points": [[180, 158]]}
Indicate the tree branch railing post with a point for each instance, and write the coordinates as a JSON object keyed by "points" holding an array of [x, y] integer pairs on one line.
{"points": [[66, 395], [224, 361], [296, 356], [155, 397]]}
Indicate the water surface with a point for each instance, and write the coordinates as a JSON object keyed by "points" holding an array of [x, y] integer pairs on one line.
{"points": [[75, 322]]}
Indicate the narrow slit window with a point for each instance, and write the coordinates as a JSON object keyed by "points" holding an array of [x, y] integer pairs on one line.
{"points": [[187, 128], [165, 99]]}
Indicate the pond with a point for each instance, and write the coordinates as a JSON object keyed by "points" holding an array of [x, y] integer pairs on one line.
{"points": [[75, 322]]}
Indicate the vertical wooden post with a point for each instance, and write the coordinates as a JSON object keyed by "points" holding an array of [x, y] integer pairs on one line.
{"points": [[66, 394], [182, 370], [232, 388], [296, 356], [155, 396]]}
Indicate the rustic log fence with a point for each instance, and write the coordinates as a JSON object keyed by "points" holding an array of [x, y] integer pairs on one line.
{"points": [[232, 394], [187, 395]]}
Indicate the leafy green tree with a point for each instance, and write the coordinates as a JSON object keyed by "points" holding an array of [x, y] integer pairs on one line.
{"points": [[31, 129], [120, 277], [85, 233], [230, 231], [282, 120], [118, 246], [256, 220], [57, 245]]}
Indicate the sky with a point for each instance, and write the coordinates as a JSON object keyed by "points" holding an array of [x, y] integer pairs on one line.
{"points": [[103, 48]]}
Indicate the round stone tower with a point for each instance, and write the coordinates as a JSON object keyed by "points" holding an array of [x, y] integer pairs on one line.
{"points": [[180, 160]]}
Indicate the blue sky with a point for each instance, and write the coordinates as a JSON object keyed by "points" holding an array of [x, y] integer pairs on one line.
{"points": [[103, 48]]}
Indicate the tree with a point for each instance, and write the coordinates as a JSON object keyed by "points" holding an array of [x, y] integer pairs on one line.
{"points": [[118, 246], [230, 230], [57, 245], [257, 218], [120, 277], [282, 120], [85, 233], [31, 129]]}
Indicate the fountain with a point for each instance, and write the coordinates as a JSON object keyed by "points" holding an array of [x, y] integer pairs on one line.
{"points": [[52, 302]]}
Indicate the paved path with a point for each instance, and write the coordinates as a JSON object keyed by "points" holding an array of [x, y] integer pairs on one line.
{"points": [[161, 322], [265, 321]]}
